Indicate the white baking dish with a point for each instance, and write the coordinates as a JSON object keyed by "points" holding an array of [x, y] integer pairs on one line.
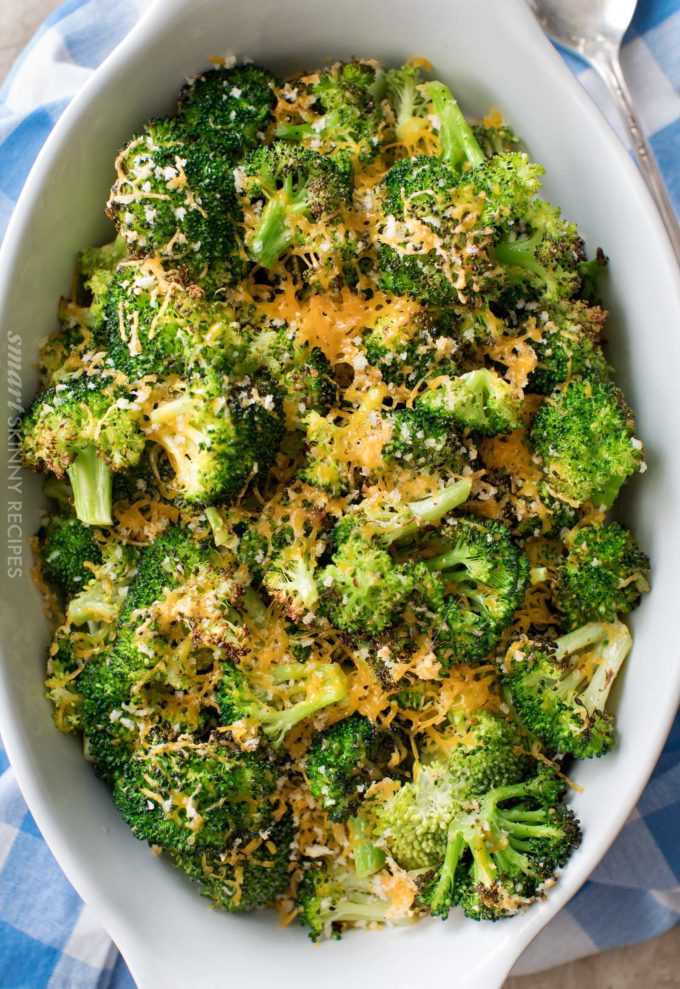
{"points": [[492, 53]]}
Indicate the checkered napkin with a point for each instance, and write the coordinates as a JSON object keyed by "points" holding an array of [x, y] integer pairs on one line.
{"points": [[48, 938]]}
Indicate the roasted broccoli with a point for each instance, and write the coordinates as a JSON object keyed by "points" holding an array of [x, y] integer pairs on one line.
{"points": [[252, 873], [502, 850], [87, 428], [293, 198], [409, 353], [217, 434], [603, 575], [228, 107], [176, 198], [302, 373], [559, 689], [386, 518], [345, 760], [569, 346], [334, 312], [585, 433], [344, 113], [180, 606], [409, 105], [542, 260], [154, 325], [479, 401], [194, 796], [275, 703], [484, 750], [66, 547], [330, 898], [480, 577]]}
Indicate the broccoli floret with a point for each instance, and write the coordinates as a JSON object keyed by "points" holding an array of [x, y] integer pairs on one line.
{"points": [[409, 105], [435, 259], [250, 874], [495, 137], [363, 589], [418, 186], [480, 579], [96, 267], [66, 659], [387, 519], [509, 182], [176, 197], [290, 578], [499, 857], [347, 113], [423, 441], [585, 433], [492, 752], [256, 548], [88, 429], [156, 326], [194, 796], [80, 318], [98, 602], [293, 197], [72, 340], [603, 575], [228, 107], [303, 373], [324, 467], [415, 817], [330, 897], [407, 354], [66, 546], [541, 260], [559, 689], [164, 640], [479, 401], [569, 346], [529, 507], [216, 433], [344, 761], [484, 750], [295, 691]]}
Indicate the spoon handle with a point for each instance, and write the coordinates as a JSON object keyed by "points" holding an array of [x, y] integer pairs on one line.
{"points": [[608, 66]]}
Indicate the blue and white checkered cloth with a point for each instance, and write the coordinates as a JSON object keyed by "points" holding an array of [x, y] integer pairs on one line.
{"points": [[48, 938]]}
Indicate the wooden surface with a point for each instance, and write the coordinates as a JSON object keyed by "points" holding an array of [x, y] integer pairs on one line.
{"points": [[652, 965]]}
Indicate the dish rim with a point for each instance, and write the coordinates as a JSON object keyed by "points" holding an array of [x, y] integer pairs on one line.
{"points": [[128, 50]]}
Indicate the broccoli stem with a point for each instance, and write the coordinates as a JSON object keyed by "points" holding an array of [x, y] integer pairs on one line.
{"points": [[454, 849], [222, 534], [274, 232], [272, 236], [483, 864], [354, 911], [293, 132], [459, 144], [459, 556], [92, 483], [617, 647], [368, 859], [580, 638], [520, 254], [430, 510]]}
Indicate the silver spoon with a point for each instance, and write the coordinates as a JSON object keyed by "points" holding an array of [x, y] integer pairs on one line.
{"points": [[594, 30]]}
